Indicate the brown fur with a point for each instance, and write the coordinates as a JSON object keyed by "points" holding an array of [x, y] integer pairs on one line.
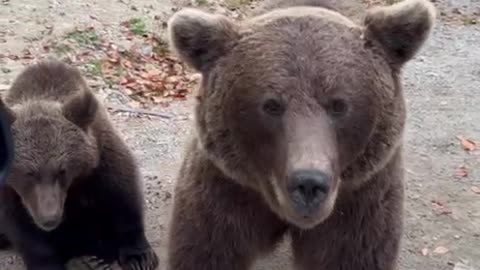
{"points": [[299, 92], [74, 186]]}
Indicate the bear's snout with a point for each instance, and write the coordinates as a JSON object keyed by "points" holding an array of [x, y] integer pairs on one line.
{"points": [[308, 189]]}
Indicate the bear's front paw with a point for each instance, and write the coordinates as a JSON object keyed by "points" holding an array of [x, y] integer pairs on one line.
{"points": [[134, 259]]}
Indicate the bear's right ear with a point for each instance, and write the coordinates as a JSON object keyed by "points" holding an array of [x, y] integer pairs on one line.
{"points": [[401, 28], [200, 38], [81, 109], [7, 112]]}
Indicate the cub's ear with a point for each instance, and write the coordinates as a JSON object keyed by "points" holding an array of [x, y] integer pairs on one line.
{"points": [[401, 28], [7, 112], [200, 38], [81, 109]]}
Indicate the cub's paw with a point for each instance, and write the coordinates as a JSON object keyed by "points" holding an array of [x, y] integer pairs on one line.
{"points": [[133, 259], [4, 243], [89, 263]]}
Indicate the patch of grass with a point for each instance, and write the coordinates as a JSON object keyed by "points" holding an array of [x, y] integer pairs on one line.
{"points": [[118, 72], [94, 68], [469, 21], [137, 26], [161, 48], [201, 2], [236, 4], [391, 2], [84, 38], [62, 49]]}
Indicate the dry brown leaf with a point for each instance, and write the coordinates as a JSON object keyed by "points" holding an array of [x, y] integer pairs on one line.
{"points": [[127, 64], [13, 57], [467, 144], [461, 171], [144, 75], [424, 251], [475, 189], [441, 209], [153, 73], [106, 67], [441, 250], [123, 80]]}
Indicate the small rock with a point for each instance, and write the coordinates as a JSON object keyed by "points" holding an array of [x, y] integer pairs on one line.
{"points": [[456, 11], [461, 266], [441, 250], [4, 87], [168, 195]]}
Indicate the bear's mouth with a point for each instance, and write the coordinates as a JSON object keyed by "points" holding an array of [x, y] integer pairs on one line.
{"points": [[49, 225], [309, 216]]}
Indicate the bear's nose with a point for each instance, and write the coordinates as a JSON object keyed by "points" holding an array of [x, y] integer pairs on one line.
{"points": [[308, 189]]}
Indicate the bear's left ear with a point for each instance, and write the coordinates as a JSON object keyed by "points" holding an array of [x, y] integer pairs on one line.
{"points": [[200, 38], [81, 109], [401, 28]]}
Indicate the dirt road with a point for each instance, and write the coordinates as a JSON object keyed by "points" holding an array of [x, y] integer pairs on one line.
{"points": [[442, 88]]}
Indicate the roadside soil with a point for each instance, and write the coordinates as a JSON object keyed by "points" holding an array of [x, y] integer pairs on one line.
{"points": [[120, 46]]}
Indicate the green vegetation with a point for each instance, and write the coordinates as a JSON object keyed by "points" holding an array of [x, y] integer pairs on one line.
{"points": [[84, 38], [137, 26], [94, 68]]}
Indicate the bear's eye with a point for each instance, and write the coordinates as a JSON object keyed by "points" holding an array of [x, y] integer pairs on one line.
{"points": [[61, 173], [337, 108], [273, 107]]}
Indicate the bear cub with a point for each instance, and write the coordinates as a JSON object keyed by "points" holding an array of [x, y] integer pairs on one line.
{"points": [[299, 125], [74, 187]]}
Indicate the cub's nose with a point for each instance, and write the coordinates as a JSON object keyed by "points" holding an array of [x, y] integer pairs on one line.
{"points": [[308, 189]]}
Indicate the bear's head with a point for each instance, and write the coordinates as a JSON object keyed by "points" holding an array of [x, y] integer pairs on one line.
{"points": [[53, 148], [301, 103]]}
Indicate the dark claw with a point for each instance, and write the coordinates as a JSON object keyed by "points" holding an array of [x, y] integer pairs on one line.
{"points": [[89, 263], [138, 260]]}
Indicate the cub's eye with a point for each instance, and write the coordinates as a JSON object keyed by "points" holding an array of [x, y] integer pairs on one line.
{"points": [[337, 108], [273, 107], [61, 173]]}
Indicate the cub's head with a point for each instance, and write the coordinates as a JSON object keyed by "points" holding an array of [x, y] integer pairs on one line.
{"points": [[53, 148], [301, 103]]}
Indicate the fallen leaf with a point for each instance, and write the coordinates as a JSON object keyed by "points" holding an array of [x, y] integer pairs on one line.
{"points": [[475, 189], [123, 80], [425, 251], [13, 57], [441, 250], [127, 64], [144, 75], [441, 209], [153, 73], [467, 144], [461, 171]]}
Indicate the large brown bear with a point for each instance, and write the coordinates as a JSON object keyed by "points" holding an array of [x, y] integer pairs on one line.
{"points": [[299, 126], [74, 188]]}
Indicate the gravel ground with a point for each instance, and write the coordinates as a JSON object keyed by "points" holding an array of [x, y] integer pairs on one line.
{"points": [[442, 88]]}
